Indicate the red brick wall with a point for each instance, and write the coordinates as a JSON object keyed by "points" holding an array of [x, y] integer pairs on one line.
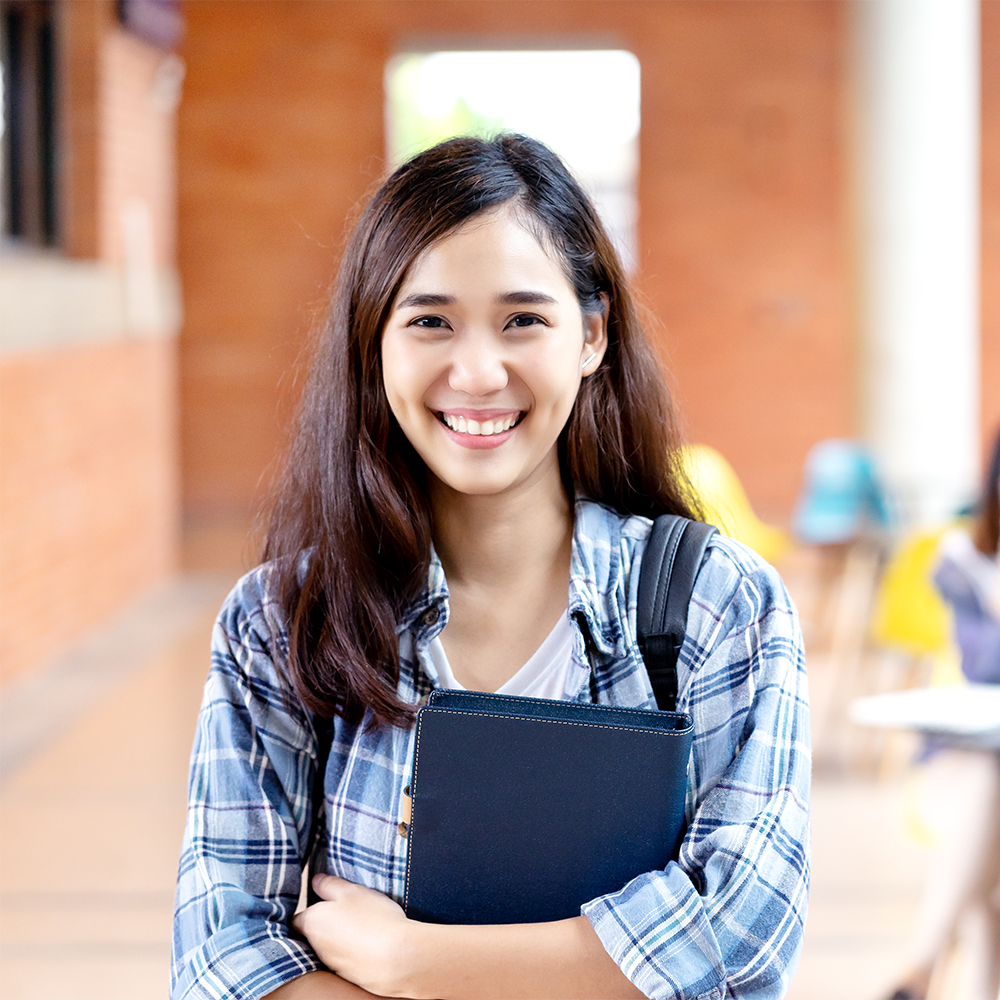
{"points": [[139, 145], [741, 226], [88, 492], [991, 223], [281, 132], [89, 495]]}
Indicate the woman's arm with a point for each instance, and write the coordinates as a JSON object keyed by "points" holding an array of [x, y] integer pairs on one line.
{"points": [[726, 919], [319, 986], [368, 940], [249, 812]]}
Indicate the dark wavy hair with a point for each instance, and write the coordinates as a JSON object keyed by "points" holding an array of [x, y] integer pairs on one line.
{"points": [[353, 492], [986, 530]]}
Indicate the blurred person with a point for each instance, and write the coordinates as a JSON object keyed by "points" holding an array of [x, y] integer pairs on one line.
{"points": [[482, 444], [963, 882]]}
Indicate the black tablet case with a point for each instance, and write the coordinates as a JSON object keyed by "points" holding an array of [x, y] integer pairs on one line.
{"points": [[523, 809]]}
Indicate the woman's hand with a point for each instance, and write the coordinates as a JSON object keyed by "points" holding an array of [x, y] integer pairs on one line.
{"points": [[365, 938], [358, 933]]}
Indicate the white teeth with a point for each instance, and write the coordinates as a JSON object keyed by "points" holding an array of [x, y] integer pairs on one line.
{"points": [[485, 428]]}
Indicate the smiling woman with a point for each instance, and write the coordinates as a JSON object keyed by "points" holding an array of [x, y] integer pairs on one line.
{"points": [[486, 346], [481, 446]]}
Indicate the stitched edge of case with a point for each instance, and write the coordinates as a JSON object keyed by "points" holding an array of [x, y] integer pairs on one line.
{"points": [[559, 722], [413, 810], [492, 696]]}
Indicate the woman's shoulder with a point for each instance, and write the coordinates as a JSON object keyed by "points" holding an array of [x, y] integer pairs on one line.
{"points": [[727, 564], [730, 566], [964, 576], [733, 586], [249, 651], [743, 622], [736, 590], [253, 612]]}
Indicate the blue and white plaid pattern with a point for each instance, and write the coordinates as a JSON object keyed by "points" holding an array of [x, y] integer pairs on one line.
{"points": [[725, 920]]}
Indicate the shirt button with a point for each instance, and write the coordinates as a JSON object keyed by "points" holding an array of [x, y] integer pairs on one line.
{"points": [[431, 615], [403, 830]]}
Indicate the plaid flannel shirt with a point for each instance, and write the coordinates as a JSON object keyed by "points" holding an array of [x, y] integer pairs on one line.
{"points": [[724, 920]]}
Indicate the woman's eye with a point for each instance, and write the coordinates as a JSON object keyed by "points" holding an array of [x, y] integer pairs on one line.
{"points": [[428, 322], [526, 319]]}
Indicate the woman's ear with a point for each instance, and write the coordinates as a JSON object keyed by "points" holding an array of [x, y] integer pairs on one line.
{"points": [[595, 338]]}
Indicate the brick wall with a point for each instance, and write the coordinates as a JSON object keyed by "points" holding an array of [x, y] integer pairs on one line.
{"points": [[281, 132], [89, 496], [89, 491], [138, 156]]}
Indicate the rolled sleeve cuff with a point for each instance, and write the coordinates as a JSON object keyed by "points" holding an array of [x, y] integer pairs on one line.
{"points": [[657, 932], [243, 963]]}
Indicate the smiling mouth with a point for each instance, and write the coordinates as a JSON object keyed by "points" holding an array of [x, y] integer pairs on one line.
{"points": [[480, 428]]}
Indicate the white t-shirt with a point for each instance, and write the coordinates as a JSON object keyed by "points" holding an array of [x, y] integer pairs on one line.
{"points": [[543, 676]]}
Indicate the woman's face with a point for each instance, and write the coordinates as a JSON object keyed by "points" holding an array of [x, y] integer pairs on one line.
{"points": [[483, 353]]}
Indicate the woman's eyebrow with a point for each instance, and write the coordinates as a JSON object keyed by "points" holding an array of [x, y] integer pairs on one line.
{"points": [[525, 299], [429, 299], [421, 299]]}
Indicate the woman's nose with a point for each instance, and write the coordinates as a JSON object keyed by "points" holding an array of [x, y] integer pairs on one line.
{"points": [[477, 367]]}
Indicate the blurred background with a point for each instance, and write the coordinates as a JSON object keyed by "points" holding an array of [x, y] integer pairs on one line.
{"points": [[807, 194]]}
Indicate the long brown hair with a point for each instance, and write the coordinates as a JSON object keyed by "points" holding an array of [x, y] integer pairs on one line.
{"points": [[350, 528], [986, 531]]}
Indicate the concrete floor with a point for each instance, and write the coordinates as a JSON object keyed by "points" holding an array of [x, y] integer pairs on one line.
{"points": [[94, 803], [90, 835]]}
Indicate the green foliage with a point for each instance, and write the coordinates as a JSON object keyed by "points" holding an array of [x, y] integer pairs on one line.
{"points": [[411, 130]]}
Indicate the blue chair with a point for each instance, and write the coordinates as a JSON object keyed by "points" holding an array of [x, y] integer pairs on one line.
{"points": [[841, 498]]}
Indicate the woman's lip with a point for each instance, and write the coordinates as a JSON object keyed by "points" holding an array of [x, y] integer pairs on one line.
{"points": [[473, 427], [478, 442]]}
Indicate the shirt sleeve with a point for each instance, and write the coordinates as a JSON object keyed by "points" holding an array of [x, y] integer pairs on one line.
{"points": [[726, 919], [249, 813]]}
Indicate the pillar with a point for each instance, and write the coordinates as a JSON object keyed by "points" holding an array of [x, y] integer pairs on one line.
{"points": [[915, 117]]}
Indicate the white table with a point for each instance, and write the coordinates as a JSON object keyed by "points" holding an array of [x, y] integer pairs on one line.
{"points": [[966, 714]]}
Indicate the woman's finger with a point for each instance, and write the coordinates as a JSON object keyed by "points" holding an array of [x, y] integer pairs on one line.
{"points": [[326, 886]]}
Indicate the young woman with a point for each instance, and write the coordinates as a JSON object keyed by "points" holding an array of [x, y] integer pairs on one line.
{"points": [[963, 877], [480, 448]]}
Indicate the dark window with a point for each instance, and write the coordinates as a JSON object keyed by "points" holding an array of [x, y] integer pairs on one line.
{"points": [[29, 112]]}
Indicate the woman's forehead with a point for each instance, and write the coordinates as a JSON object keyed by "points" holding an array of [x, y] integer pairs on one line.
{"points": [[496, 245]]}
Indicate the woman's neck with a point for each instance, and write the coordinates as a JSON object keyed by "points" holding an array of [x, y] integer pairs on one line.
{"points": [[494, 541], [506, 558]]}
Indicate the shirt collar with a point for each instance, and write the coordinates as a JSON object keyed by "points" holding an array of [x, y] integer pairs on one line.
{"points": [[594, 578], [595, 574], [428, 613]]}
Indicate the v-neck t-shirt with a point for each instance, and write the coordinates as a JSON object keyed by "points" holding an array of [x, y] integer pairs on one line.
{"points": [[544, 675]]}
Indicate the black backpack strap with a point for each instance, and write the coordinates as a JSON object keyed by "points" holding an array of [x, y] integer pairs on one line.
{"points": [[670, 564]]}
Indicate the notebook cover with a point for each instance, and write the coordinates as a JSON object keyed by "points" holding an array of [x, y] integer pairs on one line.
{"points": [[524, 809]]}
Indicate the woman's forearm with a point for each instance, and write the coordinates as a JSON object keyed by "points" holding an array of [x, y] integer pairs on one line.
{"points": [[319, 986], [564, 958], [366, 939]]}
